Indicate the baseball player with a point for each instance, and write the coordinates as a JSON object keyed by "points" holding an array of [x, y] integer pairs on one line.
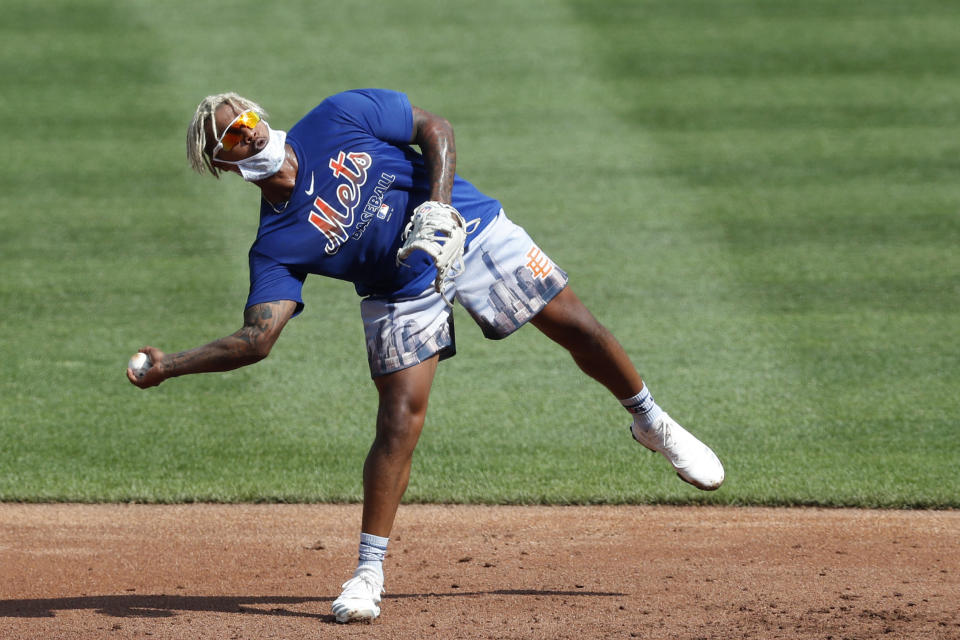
{"points": [[345, 194]]}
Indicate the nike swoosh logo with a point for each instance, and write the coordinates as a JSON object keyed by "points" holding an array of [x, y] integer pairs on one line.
{"points": [[310, 190]]}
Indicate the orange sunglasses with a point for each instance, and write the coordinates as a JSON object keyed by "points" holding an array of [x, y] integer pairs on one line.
{"points": [[230, 136]]}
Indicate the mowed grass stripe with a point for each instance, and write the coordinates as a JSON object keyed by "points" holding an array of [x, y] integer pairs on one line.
{"points": [[830, 175], [750, 194]]}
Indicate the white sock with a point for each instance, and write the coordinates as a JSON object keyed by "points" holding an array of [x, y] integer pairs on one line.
{"points": [[373, 549], [645, 411]]}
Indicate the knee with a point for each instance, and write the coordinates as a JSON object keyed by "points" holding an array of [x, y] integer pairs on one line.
{"points": [[566, 320], [398, 427], [583, 332], [590, 340]]}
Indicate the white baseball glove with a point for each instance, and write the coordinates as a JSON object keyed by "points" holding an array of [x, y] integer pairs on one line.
{"points": [[440, 231]]}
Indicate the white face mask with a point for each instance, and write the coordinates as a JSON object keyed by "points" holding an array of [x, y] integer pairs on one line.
{"points": [[265, 162]]}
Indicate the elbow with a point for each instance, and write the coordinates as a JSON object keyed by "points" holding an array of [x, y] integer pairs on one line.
{"points": [[443, 125], [443, 130], [249, 352], [258, 352], [437, 132]]}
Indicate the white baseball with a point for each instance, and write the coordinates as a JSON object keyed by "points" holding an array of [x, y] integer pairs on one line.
{"points": [[139, 363]]}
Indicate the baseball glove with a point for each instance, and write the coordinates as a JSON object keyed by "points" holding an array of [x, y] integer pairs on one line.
{"points": [[440, 231]]}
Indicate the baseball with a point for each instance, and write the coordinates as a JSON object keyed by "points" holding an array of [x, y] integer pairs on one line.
{"points": [[139, 363]]}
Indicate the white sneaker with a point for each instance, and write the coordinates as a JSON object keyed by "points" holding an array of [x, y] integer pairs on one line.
{"points": [[360, 597], [694, 461]]}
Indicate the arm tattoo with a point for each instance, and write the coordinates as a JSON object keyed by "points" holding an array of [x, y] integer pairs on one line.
{"points": [[434, 136], [441, 160], [261, 326], [257, 320]]}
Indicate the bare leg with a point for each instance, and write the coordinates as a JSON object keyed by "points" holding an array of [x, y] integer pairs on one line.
{"points": [[566, 321], [386, 473]]}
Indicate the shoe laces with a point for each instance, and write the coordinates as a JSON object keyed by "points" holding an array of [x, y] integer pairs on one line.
{"points": [[659, 431], [669, 442], [365, 584], [662, 437]]}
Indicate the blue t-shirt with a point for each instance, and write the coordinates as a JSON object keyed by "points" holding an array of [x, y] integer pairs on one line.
{"points": [[357, 184]]}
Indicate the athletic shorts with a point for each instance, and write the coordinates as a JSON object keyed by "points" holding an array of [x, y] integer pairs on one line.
{"points": [[506, 280]]}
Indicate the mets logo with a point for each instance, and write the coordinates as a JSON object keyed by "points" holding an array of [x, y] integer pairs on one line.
{"points": [[539, 263], [334, 219]]}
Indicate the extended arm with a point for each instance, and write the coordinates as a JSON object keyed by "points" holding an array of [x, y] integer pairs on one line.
{"points": [[262, 324], [434, 136]]}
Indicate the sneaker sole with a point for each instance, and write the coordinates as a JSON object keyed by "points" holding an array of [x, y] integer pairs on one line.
{"points": [[358, 615], [702, 487]]}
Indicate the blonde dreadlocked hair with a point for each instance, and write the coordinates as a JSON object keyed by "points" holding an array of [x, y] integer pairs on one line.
{"points": [[197, 131]]}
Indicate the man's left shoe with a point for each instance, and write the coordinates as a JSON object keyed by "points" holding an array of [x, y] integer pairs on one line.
{"points": [[360, 598], [694, 461]]}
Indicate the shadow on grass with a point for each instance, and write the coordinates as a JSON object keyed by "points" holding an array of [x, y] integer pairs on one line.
{"points": [[165, 606]]}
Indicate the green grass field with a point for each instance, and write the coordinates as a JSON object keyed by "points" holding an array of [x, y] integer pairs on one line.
{"points": [[760, 198]]}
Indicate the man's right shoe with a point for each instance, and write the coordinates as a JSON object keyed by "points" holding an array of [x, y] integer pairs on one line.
{"points": [[360, 598], [694, 461]]}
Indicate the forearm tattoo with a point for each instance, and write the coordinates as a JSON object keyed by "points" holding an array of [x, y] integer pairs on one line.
{"points": [[249, 344], [441, 160], [434, 136]]}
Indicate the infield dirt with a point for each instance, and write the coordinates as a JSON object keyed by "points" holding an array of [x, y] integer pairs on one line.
{"points": [[271, 571]]}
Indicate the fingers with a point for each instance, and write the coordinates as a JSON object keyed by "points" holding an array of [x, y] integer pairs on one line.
{"points": [[149, 379], [154, 375], [154, 354]]}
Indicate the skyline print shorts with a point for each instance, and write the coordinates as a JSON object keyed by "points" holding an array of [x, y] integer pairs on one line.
{"points": [[506, 280]]}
